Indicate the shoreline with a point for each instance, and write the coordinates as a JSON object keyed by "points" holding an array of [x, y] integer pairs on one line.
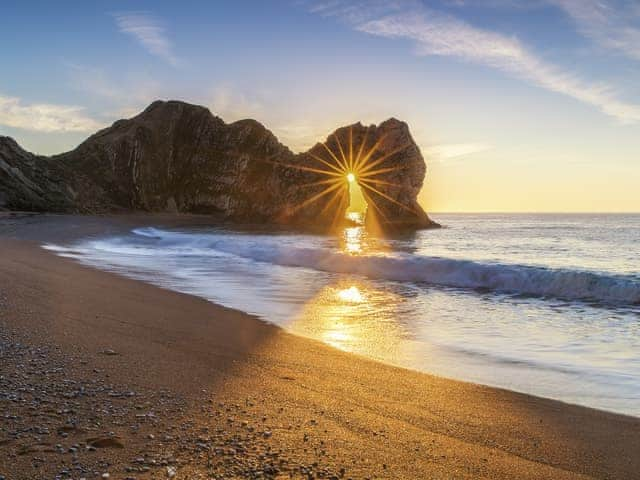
{"points": [[322, 406]]}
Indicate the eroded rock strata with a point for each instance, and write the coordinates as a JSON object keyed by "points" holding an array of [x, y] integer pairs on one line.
{"points": [[179, 157]]}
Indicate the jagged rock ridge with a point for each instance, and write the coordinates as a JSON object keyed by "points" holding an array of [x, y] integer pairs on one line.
{"points": [[179, 157]]}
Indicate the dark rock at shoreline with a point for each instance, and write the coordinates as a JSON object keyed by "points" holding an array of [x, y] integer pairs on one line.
{"points": [[177, 157]]}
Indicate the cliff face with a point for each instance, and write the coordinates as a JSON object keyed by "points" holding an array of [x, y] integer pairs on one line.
{"points": [[30, 182], [179, 157], [175, 157]]}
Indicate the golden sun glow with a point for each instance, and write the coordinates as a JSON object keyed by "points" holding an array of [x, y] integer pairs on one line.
{"points": [[354, 316], [351, 295], [357, 204], [354, 171]]}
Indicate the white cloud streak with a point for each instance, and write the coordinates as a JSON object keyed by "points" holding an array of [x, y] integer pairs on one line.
{"points": [[150, 32], [612, 25], [435, 33], [45, 117]]}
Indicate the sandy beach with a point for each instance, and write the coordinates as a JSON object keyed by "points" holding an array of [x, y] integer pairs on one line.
{"points": [[106, 377]]}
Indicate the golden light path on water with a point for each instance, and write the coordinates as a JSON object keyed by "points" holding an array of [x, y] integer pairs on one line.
{"points": [[352, 314]]}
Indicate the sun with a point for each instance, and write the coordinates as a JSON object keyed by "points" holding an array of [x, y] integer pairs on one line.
{"points": [[351, 177]]}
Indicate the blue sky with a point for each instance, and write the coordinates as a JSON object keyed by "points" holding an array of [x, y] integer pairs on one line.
{"points": [[516, 105]]}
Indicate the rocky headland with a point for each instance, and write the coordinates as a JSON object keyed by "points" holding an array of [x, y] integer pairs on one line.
{"points": [[177, 157]]}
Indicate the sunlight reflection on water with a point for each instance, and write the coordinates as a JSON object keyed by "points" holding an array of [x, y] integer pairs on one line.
{"points": [[354, 316], [571, 350]]}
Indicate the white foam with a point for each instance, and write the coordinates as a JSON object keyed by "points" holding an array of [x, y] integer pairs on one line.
{"points": [[507, 278]]}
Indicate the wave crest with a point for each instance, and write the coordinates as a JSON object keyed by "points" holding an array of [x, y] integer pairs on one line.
{"points": [[506, 278]]}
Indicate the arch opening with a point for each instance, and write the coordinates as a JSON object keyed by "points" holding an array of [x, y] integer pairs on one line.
{"points": [[357, 209]]}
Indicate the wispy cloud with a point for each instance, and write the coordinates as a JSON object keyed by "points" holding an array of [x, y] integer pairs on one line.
{"points": [[436, 33], [614, 25], [45, 117], [611, 24], [150, 32]]}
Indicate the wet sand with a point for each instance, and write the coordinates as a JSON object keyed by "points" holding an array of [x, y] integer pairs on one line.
{"points": [[101, 374]]}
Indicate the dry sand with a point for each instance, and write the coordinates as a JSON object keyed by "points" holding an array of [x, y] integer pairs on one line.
{"points": [[104, 375]]}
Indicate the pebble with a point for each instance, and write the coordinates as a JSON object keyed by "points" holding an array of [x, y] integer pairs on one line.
{"points": [[91, 418]]}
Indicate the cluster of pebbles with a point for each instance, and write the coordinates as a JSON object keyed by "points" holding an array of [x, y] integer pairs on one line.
{"points": [[61, 418]]}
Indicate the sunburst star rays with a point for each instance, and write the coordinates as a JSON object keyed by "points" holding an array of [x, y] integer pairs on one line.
{"points": [[339, 163]]}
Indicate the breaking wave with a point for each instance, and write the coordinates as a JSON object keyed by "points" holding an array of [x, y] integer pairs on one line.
{"points": [[503, 278]]}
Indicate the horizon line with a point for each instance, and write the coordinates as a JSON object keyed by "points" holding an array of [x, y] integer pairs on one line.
{"points": [[529, 212]]}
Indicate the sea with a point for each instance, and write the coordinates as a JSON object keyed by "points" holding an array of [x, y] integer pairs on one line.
{"points": [[545, 304]]}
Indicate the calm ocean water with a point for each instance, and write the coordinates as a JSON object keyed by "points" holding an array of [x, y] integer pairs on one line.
{"points": [[542, 304]]}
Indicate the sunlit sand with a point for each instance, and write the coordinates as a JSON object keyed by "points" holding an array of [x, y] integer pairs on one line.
{"points": [[320, 240]]}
